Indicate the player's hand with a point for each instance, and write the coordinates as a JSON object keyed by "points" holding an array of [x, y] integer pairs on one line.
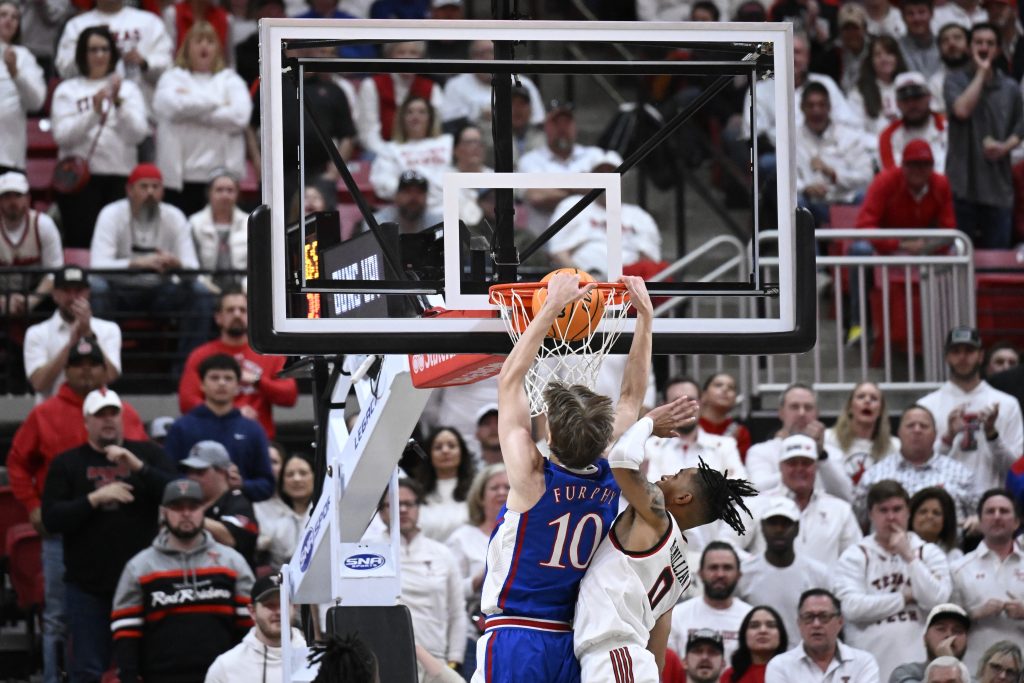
{"points": [[114, 492], [121, 455], [671, 416], [564, 288], [638, 295]]}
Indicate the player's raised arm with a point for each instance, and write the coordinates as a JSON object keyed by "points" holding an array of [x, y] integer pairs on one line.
{"points": [[638, 363], [522, 459], [626, 456]]}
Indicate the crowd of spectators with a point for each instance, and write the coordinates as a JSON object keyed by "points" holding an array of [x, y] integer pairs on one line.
{"points": [[904, 542]]}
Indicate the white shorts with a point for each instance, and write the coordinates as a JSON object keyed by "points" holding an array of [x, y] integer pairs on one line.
{"points": [[624, 664]]}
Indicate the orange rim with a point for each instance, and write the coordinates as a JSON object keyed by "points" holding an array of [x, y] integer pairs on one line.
{"points": [[615, 293]]}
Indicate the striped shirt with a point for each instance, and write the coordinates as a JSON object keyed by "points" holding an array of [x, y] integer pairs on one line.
{"points": [[940, 471]]}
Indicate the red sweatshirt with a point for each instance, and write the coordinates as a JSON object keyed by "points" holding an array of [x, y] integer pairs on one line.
{"points": [[268, 392], [54, 426], [890, 204]]}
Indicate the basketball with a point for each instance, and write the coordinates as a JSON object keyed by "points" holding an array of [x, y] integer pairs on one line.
{"points": [[578, 320]]}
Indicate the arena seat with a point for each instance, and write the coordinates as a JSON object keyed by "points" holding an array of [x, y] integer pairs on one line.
{"points": [[12, 513], [25, 566], [40, 143]]}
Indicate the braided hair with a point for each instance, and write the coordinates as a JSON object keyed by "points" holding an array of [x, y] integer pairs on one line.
{"points": [[722, 496], [343, 659]]}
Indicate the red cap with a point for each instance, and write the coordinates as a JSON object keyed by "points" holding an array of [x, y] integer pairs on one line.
{"points": [[143, 171], [918, 150]]}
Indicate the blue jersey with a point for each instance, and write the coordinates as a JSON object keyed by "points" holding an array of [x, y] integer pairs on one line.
{"points": [[536, 559]]}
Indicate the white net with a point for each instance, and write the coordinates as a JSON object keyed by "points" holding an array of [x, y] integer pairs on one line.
{"points": [[560, 358]]}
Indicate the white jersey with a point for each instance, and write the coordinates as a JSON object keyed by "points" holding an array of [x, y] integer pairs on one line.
{"points": [[624, 593]]}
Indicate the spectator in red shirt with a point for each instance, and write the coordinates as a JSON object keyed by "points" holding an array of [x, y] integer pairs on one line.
{"points": [[260, 388], [911, 196], [52, 427]]}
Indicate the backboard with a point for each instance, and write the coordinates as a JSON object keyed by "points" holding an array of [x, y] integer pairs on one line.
{"points": [[318, 286]]}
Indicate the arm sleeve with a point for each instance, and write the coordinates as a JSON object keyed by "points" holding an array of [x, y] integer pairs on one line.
{"points": [[53, 249], [233, 115], [243, 595], [872, 210], [69, 124], [109, 341], [384, 172], [279, 391], [65, 58], [130, 121], [833, 475], [457, 619], [859, 604], [186, 247], [178, 97], [850, 535], [126, 623], [929, 577], [63, 513], [30, 83], [762, 466], [23, 463], [257, 476], [157, 49], [34, 353], [103, 249], [368, 116]]}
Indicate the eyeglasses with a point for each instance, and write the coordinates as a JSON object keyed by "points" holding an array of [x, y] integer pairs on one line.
{"points": [[823, 617], [1000, 670]]}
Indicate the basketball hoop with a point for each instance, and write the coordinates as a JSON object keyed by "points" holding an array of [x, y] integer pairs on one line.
{"points": [[560, 359]]}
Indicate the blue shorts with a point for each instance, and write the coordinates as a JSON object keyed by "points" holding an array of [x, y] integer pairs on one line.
{"points": [[521, 655]]}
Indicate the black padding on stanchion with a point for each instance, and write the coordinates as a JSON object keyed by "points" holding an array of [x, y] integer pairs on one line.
{"points": [[387, 631]]}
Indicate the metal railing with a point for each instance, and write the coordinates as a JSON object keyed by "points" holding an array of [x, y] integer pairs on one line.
{"points": [[913, 301]]}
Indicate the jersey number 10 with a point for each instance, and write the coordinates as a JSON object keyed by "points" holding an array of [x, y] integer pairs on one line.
{"points": [[557, 559]]}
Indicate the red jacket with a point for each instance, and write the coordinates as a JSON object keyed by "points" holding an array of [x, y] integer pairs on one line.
{"points": [[269, 392], [889, 204], [54, 426]]}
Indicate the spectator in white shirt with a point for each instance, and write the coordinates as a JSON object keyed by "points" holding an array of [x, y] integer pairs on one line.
{"points": [[778, 576], [221, 229], [446, 476], [381, 95], [561, 155], [28, 239], [432, 585], [821, 657], [151, 239], [890, 581], [918, 466], [798, 412], [965, 13], [916, 121], [146, 49], [583, 242], [468, 96], [22, 88], [47, 344], [418, 145], [100, 117], [832, 164], [989, 582], [874, 98], [468, 543], [862, 432], [718, 608], [980, 426], [203, 108], [1001, 662], [281, 523], [884, 19]]}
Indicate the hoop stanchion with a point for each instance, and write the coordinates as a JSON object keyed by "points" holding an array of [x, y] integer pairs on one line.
{"points": [[561, 359]]}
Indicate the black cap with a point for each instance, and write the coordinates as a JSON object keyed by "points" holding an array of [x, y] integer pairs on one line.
{"points": [[411, 178], [705, 635], [266, 587], [556, 107], [521, 91], [71, 276], [85, 349], [963, 335]]}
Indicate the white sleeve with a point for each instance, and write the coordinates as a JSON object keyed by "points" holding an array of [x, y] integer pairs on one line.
{"points": [[30, 82], [850, 535], [628, 451], [850, 586], [130, 120], [157, 49], [731, 458], [929, 577], [454, 105], [109, 339], [234, 114], [70, 125], [34, 350], [833, 475], [178, 97], [536, 102], [103, 249], [49, 238], [186, 248], [775, 674], [65, 58], [384, 172], [368, 116], [457, 617], [763, 466]]}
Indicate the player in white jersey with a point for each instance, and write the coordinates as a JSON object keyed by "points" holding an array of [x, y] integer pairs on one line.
{"points": [[624, 610]]}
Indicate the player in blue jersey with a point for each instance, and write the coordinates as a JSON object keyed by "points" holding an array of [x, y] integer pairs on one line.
{"points": [[558, 509]]}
